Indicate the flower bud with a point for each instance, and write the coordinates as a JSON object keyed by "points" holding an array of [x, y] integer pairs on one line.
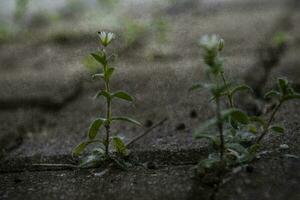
{"points": [[105, 38], [221, 44]]}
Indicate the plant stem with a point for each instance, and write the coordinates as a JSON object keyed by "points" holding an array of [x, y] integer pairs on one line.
{"points": [[220, 127], [108, 116], [269, 122], [230, 99]]}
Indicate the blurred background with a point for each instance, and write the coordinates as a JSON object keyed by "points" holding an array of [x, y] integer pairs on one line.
{"points": [[45, 85]]}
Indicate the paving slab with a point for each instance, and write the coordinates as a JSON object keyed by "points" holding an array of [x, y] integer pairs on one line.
{"points": [[47, 104]]}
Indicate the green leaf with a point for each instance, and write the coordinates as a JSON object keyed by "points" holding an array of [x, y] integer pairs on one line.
{"points": [[92, 160], [220, 91], [94, 127], [126, 119], [236, 146], [122, 95], [271, 93], [120, 146], [277, 129], [239, 116], [80, 148], [212, 138], [240, 88], [202, 129], [252, 129], [109, 72], [283, 85], [103, 93], [101, 58]]}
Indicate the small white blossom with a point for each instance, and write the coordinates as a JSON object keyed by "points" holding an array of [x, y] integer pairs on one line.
{"points": [[106, 38], [211, 42]]}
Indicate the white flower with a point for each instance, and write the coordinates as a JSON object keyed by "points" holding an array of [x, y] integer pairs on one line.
{"points": [[106, 38], [211, 42]]}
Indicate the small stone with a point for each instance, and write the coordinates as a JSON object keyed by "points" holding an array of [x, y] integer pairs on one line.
{"points": [[180, 126]]}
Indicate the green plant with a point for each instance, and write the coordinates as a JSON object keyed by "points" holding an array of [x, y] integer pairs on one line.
{"points": [[102, 152], [239, 135], [285, 93]]}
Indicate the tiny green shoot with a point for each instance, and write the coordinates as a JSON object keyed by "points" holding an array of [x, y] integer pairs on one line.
{"points": [[102, 152]]}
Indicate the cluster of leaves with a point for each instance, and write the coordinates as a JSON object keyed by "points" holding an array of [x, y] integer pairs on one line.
{"points": [[102, 151], [235, 136]]}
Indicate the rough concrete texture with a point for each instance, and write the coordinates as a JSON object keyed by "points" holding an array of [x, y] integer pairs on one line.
{"points": [[46, 106]]}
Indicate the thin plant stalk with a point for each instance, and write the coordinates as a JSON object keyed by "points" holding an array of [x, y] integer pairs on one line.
{"points": [[108, 115], [229, 95], [269, 123], [220, 127]]}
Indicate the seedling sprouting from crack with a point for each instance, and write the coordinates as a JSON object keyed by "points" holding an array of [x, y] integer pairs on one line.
{"points": [[285, 93], [239, 136], [102, 152], [219, 87]]}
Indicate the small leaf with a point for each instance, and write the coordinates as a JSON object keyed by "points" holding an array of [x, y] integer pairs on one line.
{"points": [[240, 116], [202, 129], [283, 85], [211, 137], [127, 119], [79, 148], [220, 91], [236, 146], [252, 129], [109, 72], [122, 95], [240, 88], [120, 146], [101, 58], [103, 93], [277, 129], [94, 127], [271, 93], [93, 160]]}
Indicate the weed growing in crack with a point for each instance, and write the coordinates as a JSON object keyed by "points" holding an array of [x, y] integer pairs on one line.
{"points": [[238, 135], [285, 93], [102, 152]]}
